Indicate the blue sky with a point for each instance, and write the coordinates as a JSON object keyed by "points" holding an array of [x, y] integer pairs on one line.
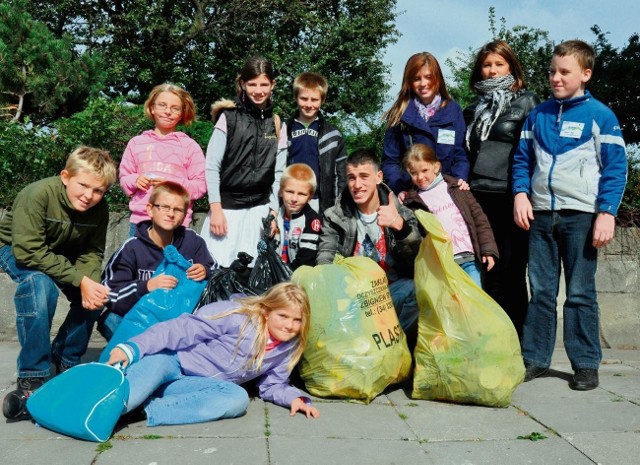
{"points": [[442, 27]]}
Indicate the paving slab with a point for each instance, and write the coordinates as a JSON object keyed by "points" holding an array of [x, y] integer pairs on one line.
{"points": [[250, 425], [550, 401], [544, 452], [191, 451], [608, 448], [436, 421], [340, 451], [46, 450], [341, 420]]}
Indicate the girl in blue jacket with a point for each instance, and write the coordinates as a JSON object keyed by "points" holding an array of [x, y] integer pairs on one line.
{"points": [[188, 370], [423, 113]]}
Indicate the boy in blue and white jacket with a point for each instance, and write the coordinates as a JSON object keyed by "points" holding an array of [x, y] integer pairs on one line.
{"points": [[569, 174]]}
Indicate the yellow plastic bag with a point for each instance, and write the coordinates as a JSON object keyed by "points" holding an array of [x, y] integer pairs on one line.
{"points": [[355, 347], [467, 350]]}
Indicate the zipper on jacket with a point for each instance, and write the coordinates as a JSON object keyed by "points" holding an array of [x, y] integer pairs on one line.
{"points": [[559, 114]]}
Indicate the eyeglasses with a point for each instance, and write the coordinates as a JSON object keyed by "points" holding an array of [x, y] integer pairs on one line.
{"points": [[164, 106], [168, 209]]}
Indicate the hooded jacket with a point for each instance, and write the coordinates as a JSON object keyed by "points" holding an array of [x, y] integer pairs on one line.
{"points": [[133, 264], [213, 348], [484, 243], [444, 133], [332, 158], [175, 157], [248, 167], [339, 233]]}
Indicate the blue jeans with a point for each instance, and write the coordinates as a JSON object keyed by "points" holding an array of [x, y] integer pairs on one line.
{"points": [[175, 398], [35, 301], [562, 238], [403, 295], [473, 270], [108, 323]]}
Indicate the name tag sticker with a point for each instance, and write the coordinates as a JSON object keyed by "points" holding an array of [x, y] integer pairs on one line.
{"points": [[571, 129], [446, 136]]}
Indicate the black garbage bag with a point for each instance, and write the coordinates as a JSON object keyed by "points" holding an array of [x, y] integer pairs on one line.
{"points": [[225, 282], [269, 268]]}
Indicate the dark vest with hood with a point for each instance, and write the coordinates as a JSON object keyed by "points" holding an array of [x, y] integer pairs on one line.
{"points": [[247, 172]]}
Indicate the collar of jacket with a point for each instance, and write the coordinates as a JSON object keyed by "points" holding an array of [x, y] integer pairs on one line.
{"points": [[413, 199], [348, 206], [142, 233], [575, 100], [441, 117], [320, 120], [249, 107]]}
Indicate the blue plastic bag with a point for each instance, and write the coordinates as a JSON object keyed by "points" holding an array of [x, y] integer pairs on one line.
{"points": [[84, 402], [160, 304]]}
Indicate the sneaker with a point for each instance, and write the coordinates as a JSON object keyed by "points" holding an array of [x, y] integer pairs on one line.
{"points": [[533, 371], [14, 405], [61, 367], [585, 379]]}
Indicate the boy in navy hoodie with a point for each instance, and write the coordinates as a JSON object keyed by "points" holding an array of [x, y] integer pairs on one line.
{"points": [[129, 272], [569, 174], [314, 141]]}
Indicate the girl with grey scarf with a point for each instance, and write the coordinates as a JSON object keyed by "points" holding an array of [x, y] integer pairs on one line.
{"points": [[493, 122]]}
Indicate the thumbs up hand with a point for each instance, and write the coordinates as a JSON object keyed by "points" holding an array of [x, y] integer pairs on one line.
{"points": [[388, 215]]}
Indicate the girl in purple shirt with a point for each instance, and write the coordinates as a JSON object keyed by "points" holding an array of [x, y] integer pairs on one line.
{"points": [[188, 370]]}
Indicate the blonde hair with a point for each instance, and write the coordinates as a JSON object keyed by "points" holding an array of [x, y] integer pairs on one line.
{"points": [[95, 161], [311, 81], [418, 153], [283, 295], [188, 107], [415, 63], [299, 172], [582, 51], [170, 187]]}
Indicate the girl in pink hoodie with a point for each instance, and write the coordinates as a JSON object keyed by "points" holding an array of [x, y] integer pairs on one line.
{"points": [[163, 154]]}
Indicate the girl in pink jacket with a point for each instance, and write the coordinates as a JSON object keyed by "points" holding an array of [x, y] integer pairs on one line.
{"points": [[163, 154]]}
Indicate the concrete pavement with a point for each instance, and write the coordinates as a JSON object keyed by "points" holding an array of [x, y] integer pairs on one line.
{"points": [[595, 427]]}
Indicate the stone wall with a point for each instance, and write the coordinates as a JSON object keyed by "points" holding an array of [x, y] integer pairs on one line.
{"points": [[617, 283]]}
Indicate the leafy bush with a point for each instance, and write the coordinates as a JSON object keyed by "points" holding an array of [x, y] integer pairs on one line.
{"points": [[26, 154], [29, 153]]}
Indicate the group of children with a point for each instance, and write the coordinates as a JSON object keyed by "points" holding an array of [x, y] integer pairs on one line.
{"points": [[326, 204]]}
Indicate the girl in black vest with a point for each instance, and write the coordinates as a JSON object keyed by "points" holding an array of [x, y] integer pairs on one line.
{"points": [[245, 159], [493, 123]]}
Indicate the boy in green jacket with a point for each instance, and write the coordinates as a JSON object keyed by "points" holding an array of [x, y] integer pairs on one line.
{"points": [[54, 238]]}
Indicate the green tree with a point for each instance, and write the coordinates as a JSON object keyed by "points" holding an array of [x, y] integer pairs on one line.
{"points": [[615, 81], [202, 44], [39, 73], [532, 47]]}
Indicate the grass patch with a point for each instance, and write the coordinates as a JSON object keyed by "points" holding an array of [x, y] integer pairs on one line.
{"points": [[412, 404], [267, 423], [103, 447], [403, 416], [534, 436], [152, 436]]}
